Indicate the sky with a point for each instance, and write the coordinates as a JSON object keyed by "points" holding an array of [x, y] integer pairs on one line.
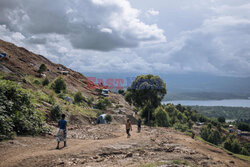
{"points": [[134, 36]]}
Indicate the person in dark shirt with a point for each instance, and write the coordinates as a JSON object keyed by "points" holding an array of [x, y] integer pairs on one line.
{"points": [[139, 125], [62, 133]]}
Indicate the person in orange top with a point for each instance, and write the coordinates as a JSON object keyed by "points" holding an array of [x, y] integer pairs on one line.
{"points": [[128, 127]]}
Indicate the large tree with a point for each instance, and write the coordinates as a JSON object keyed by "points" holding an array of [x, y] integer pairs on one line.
{"points": [[146, 92]]}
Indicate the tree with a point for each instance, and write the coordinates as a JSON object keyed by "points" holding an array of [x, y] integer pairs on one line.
{"points": [[161, 117], [146, 92], [243, 126], [42, 68], [58, 85], [221, 119]]}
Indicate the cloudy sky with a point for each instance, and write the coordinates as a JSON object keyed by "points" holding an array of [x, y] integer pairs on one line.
{"points": [[128, 36]]}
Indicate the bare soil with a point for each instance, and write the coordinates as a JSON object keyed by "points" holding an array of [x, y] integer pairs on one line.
{"points": [[108, 145]]}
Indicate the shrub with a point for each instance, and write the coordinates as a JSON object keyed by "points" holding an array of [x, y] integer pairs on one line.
{"points": [[211, 135], [236, 147], [17, 113], [61, 96], [244, 151], [90, 101], [78, 98], [228, 144], [243, 126], [181, 127], [56, 112], [37, 82], [103, 103], [221, 119], [6, 127], [108, 118], [42, 68], [121, 91], [59, 85], [161, 117], [45, 82]]}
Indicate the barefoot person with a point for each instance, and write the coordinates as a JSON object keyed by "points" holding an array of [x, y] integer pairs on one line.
{"points": [[128, 127], [62, 133]]}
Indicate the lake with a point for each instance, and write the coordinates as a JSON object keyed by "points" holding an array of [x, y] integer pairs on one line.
{"points": [[227, 102]]}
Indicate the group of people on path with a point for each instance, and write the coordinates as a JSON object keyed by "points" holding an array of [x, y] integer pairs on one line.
{"points": [[62, 132]]}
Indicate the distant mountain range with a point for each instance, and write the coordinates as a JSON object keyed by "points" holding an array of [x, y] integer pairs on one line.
{"points": [[195, 86]]}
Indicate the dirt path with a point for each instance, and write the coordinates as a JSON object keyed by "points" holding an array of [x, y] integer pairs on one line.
{"points": [[113, 149]]}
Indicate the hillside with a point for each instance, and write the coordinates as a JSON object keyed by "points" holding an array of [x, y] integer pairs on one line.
{"points": [[21, 65], [29, 113]]}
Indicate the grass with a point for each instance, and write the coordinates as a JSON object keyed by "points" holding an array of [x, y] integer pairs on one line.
{"points": [[243, 157], [240, 156], [177, 162], [154, 164], [180, 162]]}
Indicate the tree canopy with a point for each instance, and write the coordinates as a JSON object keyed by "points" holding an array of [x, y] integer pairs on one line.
{"points": [[146, 92]]}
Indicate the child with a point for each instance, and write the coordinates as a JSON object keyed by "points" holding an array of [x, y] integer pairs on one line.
{"points": [[128, 127], [62, 133]]}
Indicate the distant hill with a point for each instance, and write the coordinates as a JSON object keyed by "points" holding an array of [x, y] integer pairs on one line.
{"points": [[195, 86], [20, 62]]}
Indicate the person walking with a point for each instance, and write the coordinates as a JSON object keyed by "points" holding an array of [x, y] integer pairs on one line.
{"points": [[128, 127], [62, 133], [139, 125]]}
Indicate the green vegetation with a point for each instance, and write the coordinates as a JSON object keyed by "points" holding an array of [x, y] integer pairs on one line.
{"points": [[59, 85], [211, 135], [17, 112], [146, 93], [42, 68], [243, 126], [231, 113], [121, 91], [37, 82], [161, 117], [78, 98], [56, 112], [103, 103], [108, 118], [45, 82]]}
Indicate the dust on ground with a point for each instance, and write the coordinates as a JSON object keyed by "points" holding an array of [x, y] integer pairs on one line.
{"points": [[108, 145]]}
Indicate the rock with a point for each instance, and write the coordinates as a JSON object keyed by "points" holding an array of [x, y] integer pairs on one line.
{"points": [[60, 163], [232, 162], [129, 155]]}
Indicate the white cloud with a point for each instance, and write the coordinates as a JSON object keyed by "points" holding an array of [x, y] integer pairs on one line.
{"points": [[153, 12], [210, 37], [79, 22]]}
